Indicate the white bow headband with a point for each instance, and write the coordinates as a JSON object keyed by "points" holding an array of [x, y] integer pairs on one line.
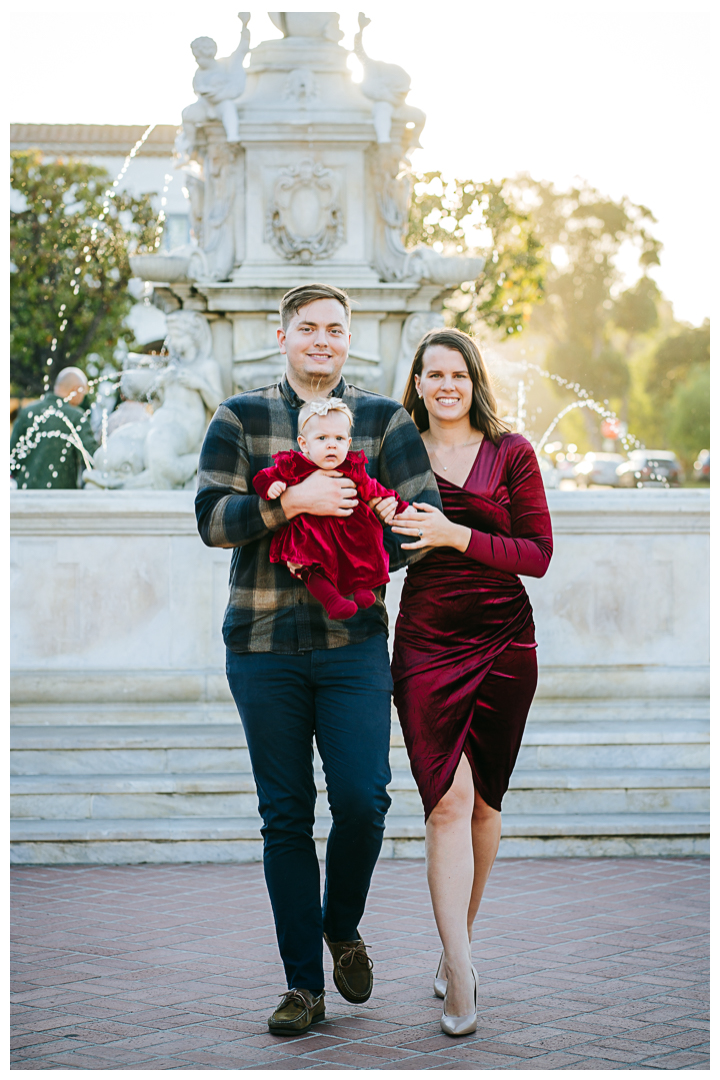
{"points": [[322, 408]]}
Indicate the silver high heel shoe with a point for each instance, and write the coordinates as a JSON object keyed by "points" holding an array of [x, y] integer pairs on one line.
{"points": [[440, 985], [461, 1025]]}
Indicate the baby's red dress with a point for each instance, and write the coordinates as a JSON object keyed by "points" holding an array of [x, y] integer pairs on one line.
{"points": [[348, 551]]}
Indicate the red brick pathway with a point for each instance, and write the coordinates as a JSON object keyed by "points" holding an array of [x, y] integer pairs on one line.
{"points": [[584, 964]]}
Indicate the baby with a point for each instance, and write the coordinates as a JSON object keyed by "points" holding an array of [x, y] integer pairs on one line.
{"points": [[337, 555]]}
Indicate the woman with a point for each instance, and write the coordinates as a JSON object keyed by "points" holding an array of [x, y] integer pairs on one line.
{"points": [[464, 664]]}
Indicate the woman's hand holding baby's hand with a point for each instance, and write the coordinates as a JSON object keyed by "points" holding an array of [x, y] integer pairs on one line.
{"points": [[276, 489], [384, 508], [429, 527]]}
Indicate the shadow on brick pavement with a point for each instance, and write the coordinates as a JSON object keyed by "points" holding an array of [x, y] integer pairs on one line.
{"points": [[584, 964]]}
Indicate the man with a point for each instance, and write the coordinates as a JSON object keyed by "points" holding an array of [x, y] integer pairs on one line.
{"points": [[43, 457], [295, 673]]}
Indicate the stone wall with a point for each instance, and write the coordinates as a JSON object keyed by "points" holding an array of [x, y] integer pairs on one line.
{"points": [[115, 598]]}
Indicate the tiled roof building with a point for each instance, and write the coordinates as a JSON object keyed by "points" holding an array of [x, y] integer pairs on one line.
{"points": [[93, 139]]}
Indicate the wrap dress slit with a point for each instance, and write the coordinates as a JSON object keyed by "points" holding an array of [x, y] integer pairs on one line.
{"points": [[464, 662]]}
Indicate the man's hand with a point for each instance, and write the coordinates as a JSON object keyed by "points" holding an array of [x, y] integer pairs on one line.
{"points": [[276, 489], [327, 494], [384, 508]]}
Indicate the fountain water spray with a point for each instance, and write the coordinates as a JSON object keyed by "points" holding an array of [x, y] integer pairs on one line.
{"points": [[584, 401], [109, 194]]}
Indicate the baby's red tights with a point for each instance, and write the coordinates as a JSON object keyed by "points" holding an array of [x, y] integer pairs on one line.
{"points": [[323, 590], [364, 598]]}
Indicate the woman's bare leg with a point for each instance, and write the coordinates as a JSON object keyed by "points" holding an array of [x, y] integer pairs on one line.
{"points": [[486, 824], [451, 872], [485, 829]]}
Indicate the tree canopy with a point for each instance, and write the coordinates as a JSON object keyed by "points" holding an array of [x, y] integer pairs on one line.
{"points": [[677, 358], [456, 216], [554, 271], [70, 237]]}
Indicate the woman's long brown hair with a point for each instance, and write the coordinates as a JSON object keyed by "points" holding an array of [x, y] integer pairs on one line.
{"points": [[483, 410]]}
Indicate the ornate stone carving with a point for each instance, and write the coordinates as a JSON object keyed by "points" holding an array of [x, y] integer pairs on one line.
{"points": [[163, 452], [218, 235], [301, 85], [195, 187], [392, 196], [304, 221]]}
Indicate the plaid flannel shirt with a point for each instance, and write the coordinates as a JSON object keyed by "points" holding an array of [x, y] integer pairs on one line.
{"points": [[269, 610]]}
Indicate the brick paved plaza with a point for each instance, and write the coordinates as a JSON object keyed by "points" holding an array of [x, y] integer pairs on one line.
{"points": [[583, 963]]}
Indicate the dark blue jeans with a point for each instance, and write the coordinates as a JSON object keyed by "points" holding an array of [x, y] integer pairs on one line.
{"points": [[342, 697]]}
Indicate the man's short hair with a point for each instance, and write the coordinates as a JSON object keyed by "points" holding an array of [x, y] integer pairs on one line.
{"points": [[305, 294]]}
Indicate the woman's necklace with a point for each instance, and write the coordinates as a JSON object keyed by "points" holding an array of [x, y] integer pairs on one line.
{"points": [[456, 451]]}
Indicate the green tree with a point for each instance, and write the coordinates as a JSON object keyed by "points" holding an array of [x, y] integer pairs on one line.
{"points": [[676, 359], [636, 310], [69, 247], [583, 232], [457, 216], [689, 415]]}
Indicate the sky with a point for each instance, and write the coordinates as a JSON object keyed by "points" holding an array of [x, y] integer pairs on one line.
{"points": [[618, 94]]}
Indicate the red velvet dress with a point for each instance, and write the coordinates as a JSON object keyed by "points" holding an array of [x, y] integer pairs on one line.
{"points": [[348, 551], [464, 662]]}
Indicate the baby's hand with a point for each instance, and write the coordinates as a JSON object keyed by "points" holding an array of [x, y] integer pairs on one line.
{"points": [[384, 508], [276, 489]]}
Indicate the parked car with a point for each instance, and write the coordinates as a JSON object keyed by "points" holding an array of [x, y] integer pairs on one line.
{"points": [[598, 469], [701, 468], [548, 471], [565, 469], [649, 467]]}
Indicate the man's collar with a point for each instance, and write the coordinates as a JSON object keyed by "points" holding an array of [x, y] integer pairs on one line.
{"points": [[297, 402]]}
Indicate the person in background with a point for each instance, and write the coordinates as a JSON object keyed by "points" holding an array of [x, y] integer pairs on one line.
{"points": [[43, 459]]}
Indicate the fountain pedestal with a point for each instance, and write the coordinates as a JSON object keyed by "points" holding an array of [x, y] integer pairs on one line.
{"points": [[314, 189]]}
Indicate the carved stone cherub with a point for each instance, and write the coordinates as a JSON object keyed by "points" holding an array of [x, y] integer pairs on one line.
{"points": [[164, 451], [217, 83], [387, 86]]}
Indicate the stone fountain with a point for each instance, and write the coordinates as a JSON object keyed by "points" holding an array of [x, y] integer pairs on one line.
{"points": [[295, 173]]}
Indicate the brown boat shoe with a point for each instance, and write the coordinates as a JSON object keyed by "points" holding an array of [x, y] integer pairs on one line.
{"points": [[298, 1009], [352, 969]]}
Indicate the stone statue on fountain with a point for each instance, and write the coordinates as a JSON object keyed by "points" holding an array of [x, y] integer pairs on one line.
{"points": [[217, 83], [163, 451], [387, 86]]}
